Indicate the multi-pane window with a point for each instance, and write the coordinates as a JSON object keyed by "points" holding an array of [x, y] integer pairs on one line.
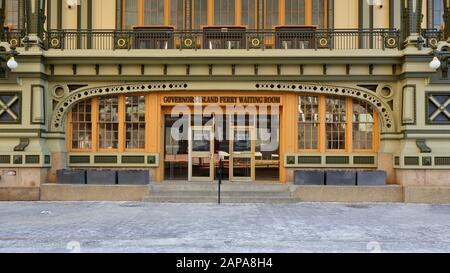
{"points": [[108, 122], [154, 12], [308, 123], [135, 122], [177, 14], [131, 13], [295, 12], [82, 125], [363, 123], [224, 12], [111, 123], [437, 14], [12, 13], [249, 14], [253, 14], [318, 13], [336, 123], [200, 13], [271, 13], [335, 119]]}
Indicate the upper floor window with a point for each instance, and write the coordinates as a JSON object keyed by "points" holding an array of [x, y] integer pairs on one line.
{"points": [[177, 14], [200, 13], [252, 14], [305, 12], [437, 14], [295, 12], [318, 14], [154, 12], [131, 13], [224, 12], [12, 13], [249, 14], [271, 13]]}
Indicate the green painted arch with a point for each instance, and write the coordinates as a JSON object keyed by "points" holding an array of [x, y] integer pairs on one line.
{"points": [[64, 106]]}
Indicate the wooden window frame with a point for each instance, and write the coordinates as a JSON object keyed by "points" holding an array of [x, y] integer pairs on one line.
{"points": [[124, 131], [308, 14], [374, 131], [238, 14], [121, 135], [173, 22], [348, 129], [208, 16], [6, 10], [69, 130], [141, 12], [119, 122], [319, 123], [345, 130]]}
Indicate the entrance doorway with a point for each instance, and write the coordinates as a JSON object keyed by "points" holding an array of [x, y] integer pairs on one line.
{"points": [[248, 145], [201, 153]]}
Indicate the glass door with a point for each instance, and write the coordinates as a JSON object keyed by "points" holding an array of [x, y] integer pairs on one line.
{"points": [[201, 151], [242, 159]]}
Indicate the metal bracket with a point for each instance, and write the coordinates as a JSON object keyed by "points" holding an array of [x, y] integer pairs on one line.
{"points": [[24, 142], [422, 145]]}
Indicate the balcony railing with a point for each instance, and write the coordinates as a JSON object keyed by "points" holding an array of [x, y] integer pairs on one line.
{"points": [[223, 38], [432, 37], [226, 38]]}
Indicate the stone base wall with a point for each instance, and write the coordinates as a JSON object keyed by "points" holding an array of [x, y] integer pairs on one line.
{"points": [[423, 177], [23, 177]]}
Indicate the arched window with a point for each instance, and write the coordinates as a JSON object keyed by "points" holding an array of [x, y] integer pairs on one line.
{"points": [[336, 123]]}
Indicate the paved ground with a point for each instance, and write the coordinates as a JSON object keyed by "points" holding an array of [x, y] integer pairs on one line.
{"points": [[146, 227]]}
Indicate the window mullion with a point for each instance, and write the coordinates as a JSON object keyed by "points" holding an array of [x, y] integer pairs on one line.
{"points": [[141, 12], [308, 12], [94, 121], [121, 121], [349, 125], [322, 124]]}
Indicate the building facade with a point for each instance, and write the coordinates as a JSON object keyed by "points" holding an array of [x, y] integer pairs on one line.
{"points": [[270, 86]]}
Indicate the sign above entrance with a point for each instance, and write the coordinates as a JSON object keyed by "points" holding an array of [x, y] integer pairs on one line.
{"points": [[171, 100]]}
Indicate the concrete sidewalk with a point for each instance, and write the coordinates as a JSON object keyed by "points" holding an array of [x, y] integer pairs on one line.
{"points": [[148, 227]]}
